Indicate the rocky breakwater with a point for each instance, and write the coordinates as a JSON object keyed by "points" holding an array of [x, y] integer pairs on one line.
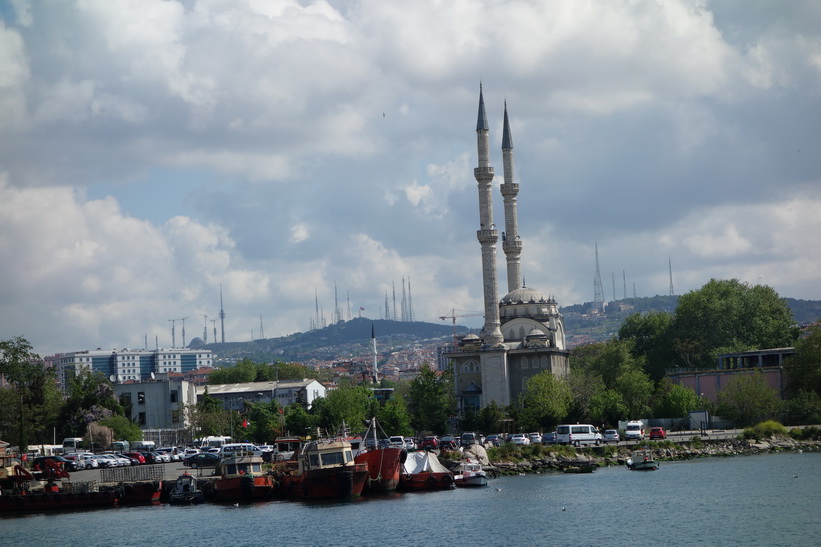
{"points": [[668, 451]]}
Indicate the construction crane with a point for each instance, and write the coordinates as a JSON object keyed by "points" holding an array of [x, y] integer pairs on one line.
{"points": [[453, 315]]}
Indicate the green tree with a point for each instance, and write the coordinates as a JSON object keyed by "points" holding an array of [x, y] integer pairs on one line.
{"points": [[609, 360], [431, 401], [607, 408], [545, 401], [33, 387], [674, 400], [584, 385], [747, 399], [804, 368], [91, 398], [299, 422], [490, 418], [651, 336], [394, 417], [635, 388], [122, 428], [728, 315], [803, 408], [349, 405]]}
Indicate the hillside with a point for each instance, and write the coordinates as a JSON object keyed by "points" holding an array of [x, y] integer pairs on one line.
{"points": [[352, 339]]}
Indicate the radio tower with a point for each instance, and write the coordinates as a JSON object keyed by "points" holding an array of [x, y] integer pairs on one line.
{"points": [[183, 330], [598, 291], [222, 317], [261, 332], [173, 335], [204, 328], [670, 265], [387, 309], [410, 303]]}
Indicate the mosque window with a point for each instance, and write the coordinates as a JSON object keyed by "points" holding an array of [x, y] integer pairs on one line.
{"points": [[525, 363]]}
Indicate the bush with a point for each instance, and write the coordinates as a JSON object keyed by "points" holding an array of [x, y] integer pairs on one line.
{"points": [[763, 430]]}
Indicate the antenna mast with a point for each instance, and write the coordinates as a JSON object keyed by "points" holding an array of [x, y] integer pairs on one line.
{"points": [[598, 292], [204, 328], [222, 318], [183, 330], [173, 334], [670, 264]]}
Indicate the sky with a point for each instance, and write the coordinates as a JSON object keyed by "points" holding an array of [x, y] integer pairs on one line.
{"points": [[154, 152]]}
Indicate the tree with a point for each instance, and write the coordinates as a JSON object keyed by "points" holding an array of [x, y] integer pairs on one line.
{"points": [[490, 418], [674, 400], [123, 429], [431, 401], [584, 385], [635, 388], [609, 360], [747, 399], [804, 368], [395, 418], [545, 401], [726, 316], [33, 387], [348, 405], [298, 421], [607, 408], [651, 336], [91, 399]]}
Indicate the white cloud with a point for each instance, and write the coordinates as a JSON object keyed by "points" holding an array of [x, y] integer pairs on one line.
{"points": [[282, 148]]}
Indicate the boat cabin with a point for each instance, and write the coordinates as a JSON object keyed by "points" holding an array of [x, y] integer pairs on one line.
{"points": [[237, 466], [319, 455]]}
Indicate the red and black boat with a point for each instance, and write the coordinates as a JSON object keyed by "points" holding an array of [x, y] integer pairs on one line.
{"points": [[323, 470], [384, 462]]}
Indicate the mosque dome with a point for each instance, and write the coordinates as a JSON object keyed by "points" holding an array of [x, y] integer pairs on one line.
{"points": [[523, 295]]}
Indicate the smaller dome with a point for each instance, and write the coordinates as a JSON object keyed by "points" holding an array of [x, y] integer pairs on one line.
{"points": [[523, 295], [536, 332], [470, 337]]}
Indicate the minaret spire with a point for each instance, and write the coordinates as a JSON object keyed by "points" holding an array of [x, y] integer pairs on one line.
{"points": [[487, 233], [511, 244]]}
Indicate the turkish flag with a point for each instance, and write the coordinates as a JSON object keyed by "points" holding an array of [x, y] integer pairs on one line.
{"points": [[245, 422]]}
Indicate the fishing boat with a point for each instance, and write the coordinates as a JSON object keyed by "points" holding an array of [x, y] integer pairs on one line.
{"points": [[324, 469], [241, 479], [579, 468], [384, 462], [139, 493], [470, 473], [423, 471], [186, 491], [642, 460]]}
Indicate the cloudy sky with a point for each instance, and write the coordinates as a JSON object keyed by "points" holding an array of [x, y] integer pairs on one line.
{"points": [[152, 151]]}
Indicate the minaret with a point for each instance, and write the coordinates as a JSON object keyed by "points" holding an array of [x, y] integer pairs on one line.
{"points": [[487, 233], [511, 244]]}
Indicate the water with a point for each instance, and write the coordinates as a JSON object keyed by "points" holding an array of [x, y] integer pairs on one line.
{"points": [[746, 500]]}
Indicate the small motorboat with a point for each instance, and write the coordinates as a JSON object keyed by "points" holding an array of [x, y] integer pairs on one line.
{"points": [[186, 491], [470, 473], [642, 460]]}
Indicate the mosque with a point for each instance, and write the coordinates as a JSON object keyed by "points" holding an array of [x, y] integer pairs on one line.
{"points": [[523, 333]]}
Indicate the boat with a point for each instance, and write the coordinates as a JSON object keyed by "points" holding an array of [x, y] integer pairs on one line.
{"points": [[323, 470], [423, 471], [642, 460], [241, 479], [470, 473], [384, 462], [579, 468], [186, 491], [139, 493]]}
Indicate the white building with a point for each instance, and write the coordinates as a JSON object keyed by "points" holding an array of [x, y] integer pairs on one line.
{"points": [[285, 392]]}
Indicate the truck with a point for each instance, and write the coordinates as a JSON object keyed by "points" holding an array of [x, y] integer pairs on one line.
{"points": [[71, 445], [634, 431]]}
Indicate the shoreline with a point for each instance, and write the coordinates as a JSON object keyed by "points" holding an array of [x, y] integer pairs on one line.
{"points": [[663, 451]]}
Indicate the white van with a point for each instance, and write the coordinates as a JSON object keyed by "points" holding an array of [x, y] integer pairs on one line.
{"points": [[634, 431], [239, 449], [578, 434]]}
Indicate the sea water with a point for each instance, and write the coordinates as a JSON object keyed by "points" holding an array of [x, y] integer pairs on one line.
{"points": [[772, 499]]}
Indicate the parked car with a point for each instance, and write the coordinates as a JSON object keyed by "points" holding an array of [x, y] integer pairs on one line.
{"points": [[136, 456], [657, 433], [203, 459], [107, 460], [124, 461], [162, 457], [190, 452], [611, 436], [150, 457], [495, 440], [410, 444], [468, 438], [535, 438], [520, 439], [85, 461], [431, 441], [448, 442], [550, 438], [39, 463]]}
